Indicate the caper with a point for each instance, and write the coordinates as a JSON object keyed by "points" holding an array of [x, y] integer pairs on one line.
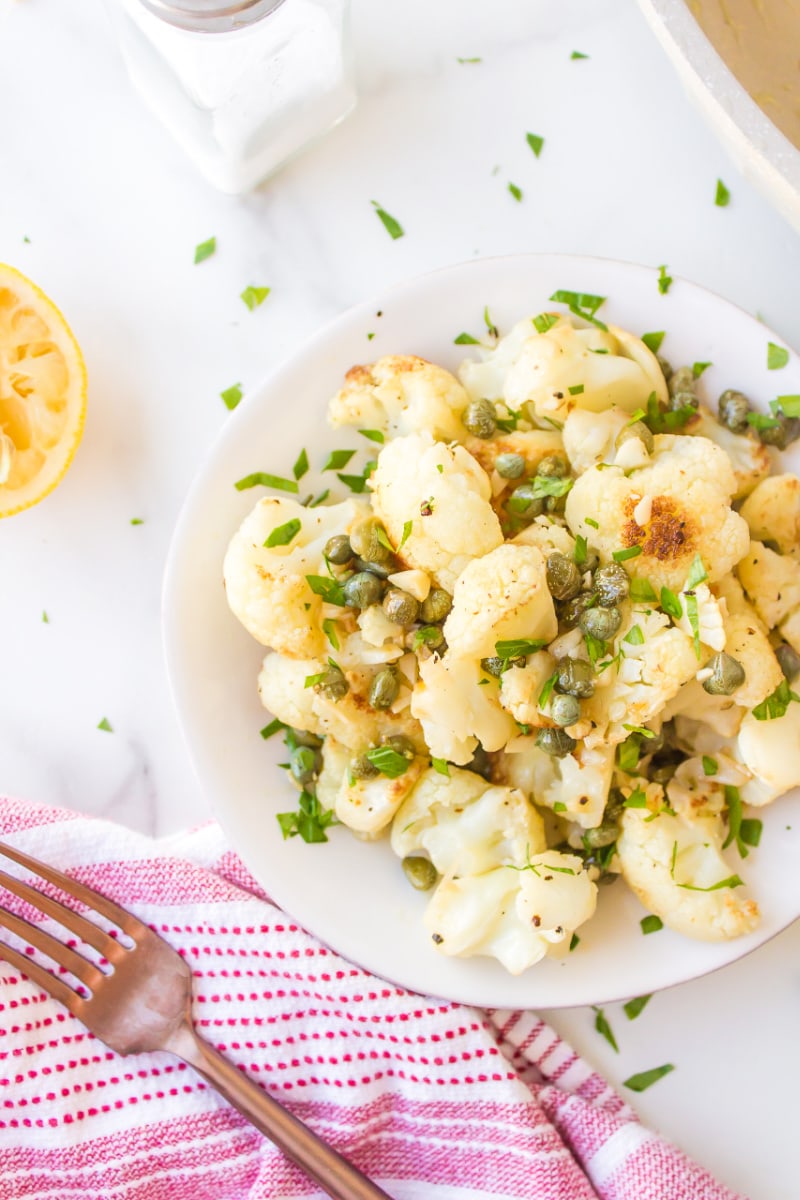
{"points": [[428, 635], [733, 408], [564, 710], [780, 435], [575, 677], [556, 742], [570, 612], [553, 466], [400, 607], [600, 623], [384, 688], [681, 380], [366, 541], [636, 429], [362, 589], [563, 577], [420, 872], [333, 684], [683, 400], [789, 660], [663, 770], [303, 738], [400, 744], [496, 666], [435, 606], [611, 584], [555, 504], [666, 367], [479, 418], [591, 561], [362, 768], [338, 549], [303, 764], [601, 835], [524, 502], [510, 466], [381, 570], [728, 674]]}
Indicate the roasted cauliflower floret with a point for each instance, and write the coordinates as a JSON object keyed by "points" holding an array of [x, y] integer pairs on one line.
{"points": [[499, 597], [520, 688], [574, 787], [366, 806], [720, 713], [465, 825], [650, 672], [267, 587], [772, 583], [401, 394], [440, 520], [748, 457], [351, 720], [772, 511], [771, 751], [590, 437], [517, 916], [674, 865], [546, 536], [552, 366], [484, 378], [686, 491], [710, 619], [457, 711]]}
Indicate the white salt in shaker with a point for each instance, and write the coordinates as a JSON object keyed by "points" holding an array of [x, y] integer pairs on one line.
{"points": [[242, 85]]}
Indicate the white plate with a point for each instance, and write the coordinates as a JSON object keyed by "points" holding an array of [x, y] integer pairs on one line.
{"points": [[352, 894]]}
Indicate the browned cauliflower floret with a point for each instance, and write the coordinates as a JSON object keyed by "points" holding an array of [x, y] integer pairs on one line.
{"points": [[401, 394]]}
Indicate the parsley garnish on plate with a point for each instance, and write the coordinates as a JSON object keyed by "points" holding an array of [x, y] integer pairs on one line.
{"points": [[309, 821], [232, 395], [204, 250], [699, 367], [282, 535], [777, 356], [264, 479], [775, 705], [300, 468], [581, 304], [274, 727], [664, 280], [651, 924], [535, 142], [390, 224], [254, 296], [465, 339], [516, 192], [722, 197], [389, 762], [105, 725], [545, 321], [653, 340], [338, 459]]}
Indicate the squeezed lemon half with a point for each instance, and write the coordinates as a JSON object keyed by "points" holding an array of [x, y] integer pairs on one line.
{"points": [[42, 393]]}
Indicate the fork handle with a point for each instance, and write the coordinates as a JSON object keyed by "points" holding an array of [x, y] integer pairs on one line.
{"points": [[334, 1174]]}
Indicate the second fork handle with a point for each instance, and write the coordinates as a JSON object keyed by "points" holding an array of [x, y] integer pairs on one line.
{"points": [[338, 1177]]}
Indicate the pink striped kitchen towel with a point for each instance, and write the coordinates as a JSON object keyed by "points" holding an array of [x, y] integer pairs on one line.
{"points": [[430, 1099]]}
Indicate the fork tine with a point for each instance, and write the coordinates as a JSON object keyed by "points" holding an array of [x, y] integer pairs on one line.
{"points": [[56, 987], [86, 930], [125, 920], [65, 956]]}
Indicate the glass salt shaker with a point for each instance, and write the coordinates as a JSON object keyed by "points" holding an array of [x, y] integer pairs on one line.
{"points": [[242, 85]]}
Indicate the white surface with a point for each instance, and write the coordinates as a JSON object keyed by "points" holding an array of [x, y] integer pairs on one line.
{"points": [[761, 151], [351, 893], [113, 212]]}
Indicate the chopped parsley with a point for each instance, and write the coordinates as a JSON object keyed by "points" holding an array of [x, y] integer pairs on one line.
{"points": [[465, 339], [264, 479], [547, 485], [775, 706], [338, 459], [357, 483], [637, 799], [671, 604], [640, 729], [732, 881], [710, 765], [427, 634], [581, 304], [577, 54], [389, 762], [559, 806], [231, 396], [623, 555], [300, 468], [329, 629], [282, 535], [699, 367], [777, 357], [760, 421], [634, 636], [591, 521], [544, 696], [329, 589], [646, 1079], [489, 323], [535, 142], [581, 550], [664, 280], [628, 754], [407, 528], [469, 60], [692, 613], [744, 831], [651, 924], [517, 647], [603, 1028], [274, 727], [642, 591], [722, 196], [137, 521], [516, 192], [595, 648], [545, 321], [105, 725], [697, 572], [577, 390], [635, 1006], [204, 250], [254, 296], [789, 405], [320, 499], [390, 224], [374, 435], [574, 942], [441, 765], [309, 821], [653, 340], [45, 618]]}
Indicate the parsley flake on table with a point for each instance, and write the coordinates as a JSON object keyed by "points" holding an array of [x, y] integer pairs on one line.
{"points": [[646, 1079], [105, 725], [603, 1028], [777, 356], [516, 192], [45, 618], [204, 250], [390, 224], [137, 521], [576, 54], [664, 280], [232, 396], [468, 60], [254, 296], [722, 197], [635, 1006], [535, 142]]}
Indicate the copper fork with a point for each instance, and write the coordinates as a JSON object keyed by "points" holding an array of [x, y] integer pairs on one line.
{"points": [[144, 1003]]}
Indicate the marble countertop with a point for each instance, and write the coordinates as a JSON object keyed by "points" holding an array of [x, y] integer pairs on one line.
{"points": [[102, 210]]}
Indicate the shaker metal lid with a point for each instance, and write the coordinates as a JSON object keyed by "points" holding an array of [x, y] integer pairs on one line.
{"points": [[211, 16]]}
